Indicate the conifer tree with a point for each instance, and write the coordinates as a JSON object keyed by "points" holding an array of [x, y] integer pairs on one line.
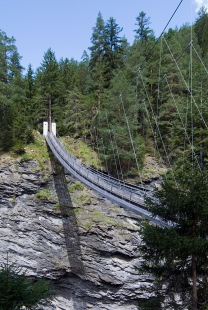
{"points": [[96, 58], [114, 48], [201, 28], [143, 31], [7, 48], [18, 291], [47, 86], [29, 83], [84, 74], [73, 115], [177, 255], [13, 117]]}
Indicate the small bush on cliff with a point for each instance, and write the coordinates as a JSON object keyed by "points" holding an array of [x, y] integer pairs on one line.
{"points": [[46, 195], [16, 290], [77, 186]]}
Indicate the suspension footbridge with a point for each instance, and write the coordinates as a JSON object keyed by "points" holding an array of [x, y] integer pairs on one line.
{"points": [[119, 192]]}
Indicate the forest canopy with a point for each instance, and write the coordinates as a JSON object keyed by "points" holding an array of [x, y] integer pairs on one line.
{"points": [[138, 94]]}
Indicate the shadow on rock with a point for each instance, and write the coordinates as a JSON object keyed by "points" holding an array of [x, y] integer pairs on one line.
{"points": [[70, 227]]}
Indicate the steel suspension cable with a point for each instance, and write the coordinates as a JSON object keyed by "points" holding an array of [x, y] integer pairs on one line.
{"points": [[199, 57], [158, 84], [112, 146], [118, 155], [106, 163], [153, 133], [191, 87], [189, 91], [185, 131], [148, 55], [157, 125], [97, 148], [132, 142], [185, 49]]}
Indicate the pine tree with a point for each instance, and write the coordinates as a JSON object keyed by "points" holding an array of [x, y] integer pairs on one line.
{"points": [[73, 115], [177, 255], [47, 89], [14, 122], [114, 47], [143, 31], [7, 48], [201, 28], [96, 58], [84, 81], [29, 83], [17, 290]]}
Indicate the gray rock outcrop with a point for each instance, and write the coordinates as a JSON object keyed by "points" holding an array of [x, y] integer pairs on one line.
{"points": [[62, 231]]}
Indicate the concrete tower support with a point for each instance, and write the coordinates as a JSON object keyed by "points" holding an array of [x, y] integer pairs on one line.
{"points": [[54, 128], [45, 128]]}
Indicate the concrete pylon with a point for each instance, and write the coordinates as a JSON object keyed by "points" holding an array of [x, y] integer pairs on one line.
{"points": [[45, 128]]}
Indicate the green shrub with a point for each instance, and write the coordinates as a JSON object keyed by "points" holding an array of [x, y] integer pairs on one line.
{"points": [[77, 186], [44, 194], [17, 290], [25, 157], [18, 148]]}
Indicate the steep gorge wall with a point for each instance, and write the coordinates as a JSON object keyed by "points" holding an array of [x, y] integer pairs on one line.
{"points": [[84, 244]]}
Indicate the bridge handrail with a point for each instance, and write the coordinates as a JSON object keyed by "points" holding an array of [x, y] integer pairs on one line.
{"points": [[92, 176], [94, 171]]}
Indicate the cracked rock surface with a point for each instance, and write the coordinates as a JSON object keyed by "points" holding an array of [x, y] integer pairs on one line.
{"points": [[62, 231]]}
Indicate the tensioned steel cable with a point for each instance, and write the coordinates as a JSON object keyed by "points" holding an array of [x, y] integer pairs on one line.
{"points": [[148, 55]]}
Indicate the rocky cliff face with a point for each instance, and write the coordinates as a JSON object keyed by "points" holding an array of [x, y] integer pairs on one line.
{"points": [[62, 231]]}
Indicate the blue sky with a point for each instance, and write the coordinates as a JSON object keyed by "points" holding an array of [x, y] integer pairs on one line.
{"points": [[66, 25]]}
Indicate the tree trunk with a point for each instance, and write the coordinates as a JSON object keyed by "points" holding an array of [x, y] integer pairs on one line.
{"points": [[49, 115], [194, 294], [99, 100]]}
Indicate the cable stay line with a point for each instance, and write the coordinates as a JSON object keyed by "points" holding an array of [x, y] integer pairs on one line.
{"points": [[157, 125], [149, 53], [185, 49], [153, 133], [199, 57], [112, 147], [191, 103], [184, 127], [106, 163], [188, 88], [97, 148], [118, 156], [131, 139]]}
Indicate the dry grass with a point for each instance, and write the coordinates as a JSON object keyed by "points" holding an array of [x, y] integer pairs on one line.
{"points": [[81, 150]]}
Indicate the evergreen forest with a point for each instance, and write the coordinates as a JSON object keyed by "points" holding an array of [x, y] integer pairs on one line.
{"points": [[147, 97]]}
